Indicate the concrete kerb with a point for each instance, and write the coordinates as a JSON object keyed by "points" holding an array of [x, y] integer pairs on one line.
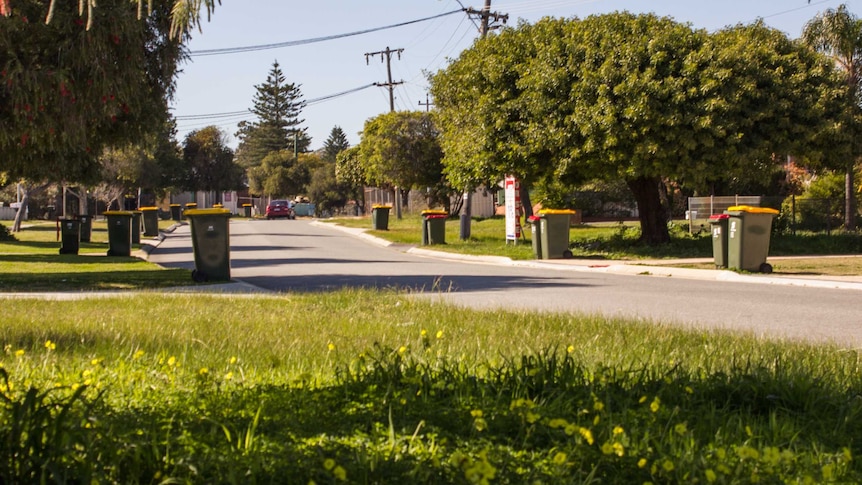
{"points": [[631, 268]]}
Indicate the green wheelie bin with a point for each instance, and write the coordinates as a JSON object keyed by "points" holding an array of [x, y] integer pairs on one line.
{"points": [[536, 231], [150, 216], [211, 244], [748, 232], [718, 223], [176, 212], [70, 230], [246, 210], [119, 233], [434, 227], [86, 227], [136, 226], [555, 233], [380, 217]]}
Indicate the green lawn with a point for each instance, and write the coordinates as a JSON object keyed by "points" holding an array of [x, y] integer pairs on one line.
{"points": [[376, 387]]}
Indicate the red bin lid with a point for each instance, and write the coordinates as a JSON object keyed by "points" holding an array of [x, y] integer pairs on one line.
{"points": [[719, 216]]}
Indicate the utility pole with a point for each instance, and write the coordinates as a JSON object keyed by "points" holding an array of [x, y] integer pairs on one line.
{"points": [[489, 21], [387, 54], [427, 104]]}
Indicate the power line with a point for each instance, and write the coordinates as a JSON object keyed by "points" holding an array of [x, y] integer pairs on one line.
{"points": [[234, 114], [292, 43]]}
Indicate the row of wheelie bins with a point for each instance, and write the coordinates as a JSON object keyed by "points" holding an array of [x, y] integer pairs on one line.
{"points": [[78, 230], [740, 238], [433, 223]]}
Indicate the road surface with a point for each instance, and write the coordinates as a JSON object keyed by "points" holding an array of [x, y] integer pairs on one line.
{"points": [[299, 256]]}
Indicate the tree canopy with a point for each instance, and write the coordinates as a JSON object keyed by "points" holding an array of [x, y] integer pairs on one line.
{"points": [[210, 162], [632, 97], [68, 92], [277, 105]]}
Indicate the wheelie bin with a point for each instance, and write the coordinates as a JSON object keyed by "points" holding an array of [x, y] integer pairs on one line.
{"points": [[718, 223], [380, 217], [189, 206], [246, 210], [70, 230], [555, 233], [86, 227], [176, 212], [536, 231], [136, 226], [119, 233], [434, 227], [150, 216], [211, 244], [748, 233]]}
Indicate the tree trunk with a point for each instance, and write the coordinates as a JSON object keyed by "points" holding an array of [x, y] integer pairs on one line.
{"points": [[525, 201], [651, 211], [849, 200], [22, 209]]}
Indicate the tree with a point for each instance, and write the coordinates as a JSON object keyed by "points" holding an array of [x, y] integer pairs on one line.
{"points": [[350, 174], [185, 14], [67, 92], [280, 174], [277, 105], [838, 34], [402, 149], [335, 144], [210, 162], [592, 98]]}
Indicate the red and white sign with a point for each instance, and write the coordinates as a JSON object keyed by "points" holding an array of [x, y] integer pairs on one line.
{"points": [[513, 208]]}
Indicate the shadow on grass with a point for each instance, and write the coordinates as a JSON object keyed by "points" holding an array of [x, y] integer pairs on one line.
{"points": [[95, 280], [93, 258]]}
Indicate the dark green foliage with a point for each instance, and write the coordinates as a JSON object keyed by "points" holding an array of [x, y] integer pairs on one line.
{"points": [[210, 162], [5, 235], [277, 105], [67, 92]]}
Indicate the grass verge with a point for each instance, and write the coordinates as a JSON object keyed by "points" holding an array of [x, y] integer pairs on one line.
{"points": [[368, 387]]}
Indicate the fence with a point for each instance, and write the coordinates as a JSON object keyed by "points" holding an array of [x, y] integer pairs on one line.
{"points": [[795, 213]]}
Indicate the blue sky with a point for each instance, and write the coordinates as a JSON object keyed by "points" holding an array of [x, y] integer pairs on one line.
{"points": [[223, 85]]}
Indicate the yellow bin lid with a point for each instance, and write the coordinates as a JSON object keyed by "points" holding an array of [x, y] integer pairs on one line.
{"points": [[206, 212], [753, 210]]}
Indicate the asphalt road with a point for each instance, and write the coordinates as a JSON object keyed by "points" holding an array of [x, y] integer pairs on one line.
{"points": [[298, 256]]}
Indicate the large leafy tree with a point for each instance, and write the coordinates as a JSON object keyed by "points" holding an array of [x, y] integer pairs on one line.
{"points": [[838, 34], [69, 89], [277, 105], [210, 162], [628, 97]]}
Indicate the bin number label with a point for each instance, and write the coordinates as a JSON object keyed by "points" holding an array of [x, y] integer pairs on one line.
{"points": [[210, 228], [716, 232], [732, 229]]}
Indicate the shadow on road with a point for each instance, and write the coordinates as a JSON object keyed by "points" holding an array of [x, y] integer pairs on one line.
{"points": [[419, 283]]}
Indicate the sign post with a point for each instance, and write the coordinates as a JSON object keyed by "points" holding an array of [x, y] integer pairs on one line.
{"points": [[513, 209]]}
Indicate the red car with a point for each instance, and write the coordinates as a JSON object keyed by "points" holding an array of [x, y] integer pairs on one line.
{"points": [[280, 208]]}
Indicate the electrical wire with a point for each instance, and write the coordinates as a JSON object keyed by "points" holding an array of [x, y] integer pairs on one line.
{"points": [[278, 45]]}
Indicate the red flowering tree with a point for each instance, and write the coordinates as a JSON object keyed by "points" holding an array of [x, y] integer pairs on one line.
{"points": [[79, 83]]}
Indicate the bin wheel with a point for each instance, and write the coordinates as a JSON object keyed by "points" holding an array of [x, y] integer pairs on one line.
{"points": [[198, 276], [567, 254], [766, 268]]}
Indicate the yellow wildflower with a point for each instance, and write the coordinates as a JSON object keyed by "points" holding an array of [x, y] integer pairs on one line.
{"points": [[19, 352], [655, 405], [50, 345], [618, 430], [560, 458], [340, 473], [329, 464], [439, 334], [642, 463], [330, 346]]}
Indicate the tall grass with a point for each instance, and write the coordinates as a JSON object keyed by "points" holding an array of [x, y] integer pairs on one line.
{"points": [[367, 387]]}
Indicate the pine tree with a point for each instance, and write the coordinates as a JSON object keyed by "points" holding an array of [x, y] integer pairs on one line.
{"points": [[278, 105], [335, 144]]}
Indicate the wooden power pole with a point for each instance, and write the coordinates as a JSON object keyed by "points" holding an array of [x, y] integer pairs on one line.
{"points": [[387, 56], [489, 21]]}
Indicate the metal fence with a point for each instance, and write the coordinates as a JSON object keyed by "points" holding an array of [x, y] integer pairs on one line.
{"points": [[795, 213]]}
